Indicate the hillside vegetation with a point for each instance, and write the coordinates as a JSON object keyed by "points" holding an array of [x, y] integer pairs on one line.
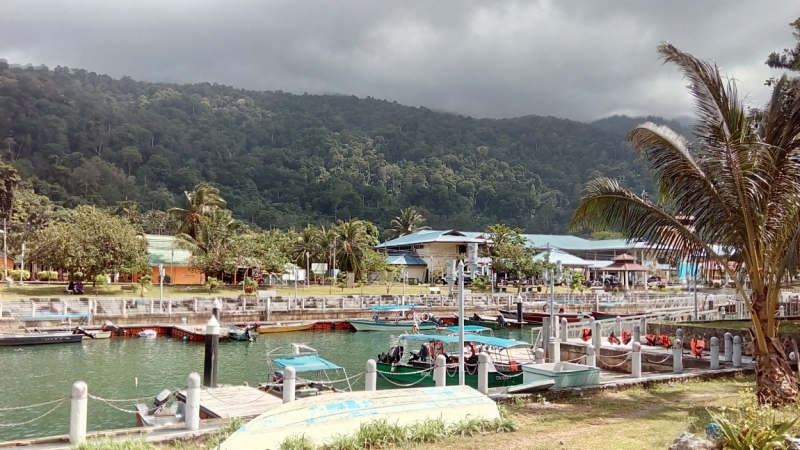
{"points": [[284, 160]]}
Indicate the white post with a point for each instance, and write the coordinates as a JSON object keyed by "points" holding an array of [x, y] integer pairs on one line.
{"points": [[714, 353], [124, 308], [618, 326], [677, 357], [643, 325], [78, 411], [244, 304], [737, 351], [288, 384], [539, 356], [371, 378], [193, 401], [563, 329], [554, 351], [169, 307], [636, 360], [440, 371], [546, 333], [461, 325], [722, 313], [597, 337], [780, 311], [555, 327], [591, 356], [160, 282], [728, 347], [637, 335], [152, 307], [679, 334], [194, 307], [483, 373]]}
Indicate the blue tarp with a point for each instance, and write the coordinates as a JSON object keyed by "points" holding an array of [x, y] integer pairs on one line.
{"points": [[306, 363], [468, 328], [488, 340], [393, 307]]}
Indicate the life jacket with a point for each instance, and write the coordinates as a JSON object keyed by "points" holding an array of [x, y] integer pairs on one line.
{"points": [[698, 345], [651, 339], [513, 366], [626, 337], [586, 334], [613, 339], [663, 339]]}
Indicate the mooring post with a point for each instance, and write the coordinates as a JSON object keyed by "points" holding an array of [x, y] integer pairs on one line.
{"points": [[591, 356], [193, 401], [216, 306], [440, 371], [643, 325], [124, 304], [722, 313], [554, 351], [780, 311], [169, 308], [637, 334], [728, 347], [288, 384], [151, 308], [737, 351], [212, 347], [679, 334], [563, 329], [539, 358], [545, 333], [714, 353], [483, 373], [77, 415], [519, 308], [194, 306], [636, 360], [677, 357], [618, 326], [597, 337], [371, 376]]}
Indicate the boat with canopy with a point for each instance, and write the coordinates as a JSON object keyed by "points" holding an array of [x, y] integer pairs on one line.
{"points": [[395, 318], [305, 360]]}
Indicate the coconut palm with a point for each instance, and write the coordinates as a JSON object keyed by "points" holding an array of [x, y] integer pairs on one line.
{"points": [[307, 244], [741, 185], [201, 201], [409, 221], [353, 238]]}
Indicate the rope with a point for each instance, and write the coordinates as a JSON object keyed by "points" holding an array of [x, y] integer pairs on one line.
{"points": [[100, 399], [657, 362], [408, 373], [627, 356], [401, 384], [126, 400], [14, 408], [6, 425], [334, 381]]}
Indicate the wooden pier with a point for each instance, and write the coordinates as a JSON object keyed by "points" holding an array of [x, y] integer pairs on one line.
{"points": [[234, 401]]}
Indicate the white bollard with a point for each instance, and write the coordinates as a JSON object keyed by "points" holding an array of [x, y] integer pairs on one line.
{"points": [[78, 410], [371, 376], [546, 333], [193, 401], [636, 360], [677, 357], [539, 358], [643, 325], [124, 308], [591, 356], [618, 326], [33, 309], [737, 351], [714, 353], [554, 351], [637, 335], [722, 313], [679, 334], [728, 347], [556, 323], [244, 305], [483, 373], [169, 307], [194, 307], [597, 335], [780, 311], [152, 307], [440, 372], [288, 384], [563, 329]]}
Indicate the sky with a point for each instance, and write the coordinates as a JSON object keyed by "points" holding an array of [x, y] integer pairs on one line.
{"points": [[577, 59]]}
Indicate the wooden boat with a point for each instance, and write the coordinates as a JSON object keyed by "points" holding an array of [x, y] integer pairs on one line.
{"points": [[307, 361], [285, 327], [322, 417], [159, 414], [495, 323], [504, 354], [529, 387], [405, 319], [247, 334], [536, 317], [38, 338]]}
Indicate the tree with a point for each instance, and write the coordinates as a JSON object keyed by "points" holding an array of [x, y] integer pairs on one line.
{"points": [[131, 156], [353, 238], [306, 247], [509, 251], [409, 221], [741, 185], [92, 242], [790, 58], [213, 249], [200, 202], [9, 179]]}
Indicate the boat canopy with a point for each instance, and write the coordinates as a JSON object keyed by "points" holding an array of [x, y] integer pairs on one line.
{"points": [[393, 307], [469, 328], [305, 363], [488, 340]]}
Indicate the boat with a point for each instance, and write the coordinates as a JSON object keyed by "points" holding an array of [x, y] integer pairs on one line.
{"points": [[248, 333], [305, 360], [531, 386], [92, 334], [159, 414], [536, 317], [285, 327], [147, 334], [39, 338], [506, 357], [611, 315], [471, 329], [402, 321], [495, 323]]}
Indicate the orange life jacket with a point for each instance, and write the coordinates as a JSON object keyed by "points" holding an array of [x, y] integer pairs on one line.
{"points": [[651, 339], [613, 339], [664, 340], [586, 334], [698, 345], [626, 337]]}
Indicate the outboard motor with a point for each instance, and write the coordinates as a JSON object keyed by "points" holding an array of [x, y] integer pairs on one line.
{"points": [[161, 399], [502, 321], [277, 377], [79, 330]]}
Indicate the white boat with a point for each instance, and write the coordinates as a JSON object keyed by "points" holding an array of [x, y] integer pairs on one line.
{"points": [[305, 360], [147, 334], [404, 319], [159, 414]]}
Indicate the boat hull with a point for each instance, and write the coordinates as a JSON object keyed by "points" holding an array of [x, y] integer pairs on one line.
{"points": [[492, 324], [610, 315], [406, 374], [537, 317], [15, 340], [242, 337], [402, 325], [285, 328], [99, 335]]}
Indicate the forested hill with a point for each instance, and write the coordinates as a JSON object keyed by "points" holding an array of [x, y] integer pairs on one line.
{"points": [[285, 160]]}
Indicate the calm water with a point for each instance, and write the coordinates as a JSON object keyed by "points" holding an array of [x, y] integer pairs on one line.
{"points": [[31, 375]]}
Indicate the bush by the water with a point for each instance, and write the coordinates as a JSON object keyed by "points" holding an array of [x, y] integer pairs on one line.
{"points": [[47, 275], [14, 274], [747, 425]]}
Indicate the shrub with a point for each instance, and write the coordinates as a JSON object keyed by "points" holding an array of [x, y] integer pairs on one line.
{"points": [[748, 425], [301, 442], [223, 433], [211, 284], [167, 279], [480, 284], [77, 276], [108, 444], [14, 274], [47, 275], [101, 280], [249, 289]]}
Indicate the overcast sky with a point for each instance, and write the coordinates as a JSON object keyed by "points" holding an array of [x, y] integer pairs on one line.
{"points": [[580, 59]]}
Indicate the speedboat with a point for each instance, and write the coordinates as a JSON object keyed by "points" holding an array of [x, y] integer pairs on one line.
{"points": [[406, 319], [494, 322], [305, 360], [147, 334], [159, 414], [248, 333], [39, 338], [285, 327]]}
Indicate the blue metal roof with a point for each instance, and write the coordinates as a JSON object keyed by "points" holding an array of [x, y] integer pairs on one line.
{"points": [[428, 236], [406, 260], [306, 363], [566, 259]]}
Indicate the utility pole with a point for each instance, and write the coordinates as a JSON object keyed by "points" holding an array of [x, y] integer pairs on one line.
{"points": [[461, 324], [5, 252], [22, 264], [308, 271]]}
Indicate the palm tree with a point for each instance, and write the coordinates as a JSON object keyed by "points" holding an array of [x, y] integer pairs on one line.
{"points": [[741, 184], [307, 244], [353, 238], [201, 201], [409, 221], [215, 236]]}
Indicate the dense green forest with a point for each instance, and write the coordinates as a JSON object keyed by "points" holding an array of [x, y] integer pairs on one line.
{"points": [[284, 160]]}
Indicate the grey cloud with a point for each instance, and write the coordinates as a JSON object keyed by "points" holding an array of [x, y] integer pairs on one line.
{"points": [[580, 59]]}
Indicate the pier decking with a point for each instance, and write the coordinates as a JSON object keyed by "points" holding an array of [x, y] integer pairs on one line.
{"points": [[234, 401]]}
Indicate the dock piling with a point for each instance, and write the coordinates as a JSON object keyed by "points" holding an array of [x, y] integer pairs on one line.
{"points": [[636, 360], [637, 334], [728, 347], [193, 402], [371, 376], [440, 371], [677, 357], [737, 351], [563, 329], [78, 410], [591, 356], [483, 373], [554, 351], [597, 335], [714, 353], [288, 384], [212, 348]]}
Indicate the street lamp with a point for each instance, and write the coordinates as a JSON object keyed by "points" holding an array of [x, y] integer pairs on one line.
{"points": [[5, 252]]}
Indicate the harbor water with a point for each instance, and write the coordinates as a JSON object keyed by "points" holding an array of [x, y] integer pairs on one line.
{"points": [[110, 367]]}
